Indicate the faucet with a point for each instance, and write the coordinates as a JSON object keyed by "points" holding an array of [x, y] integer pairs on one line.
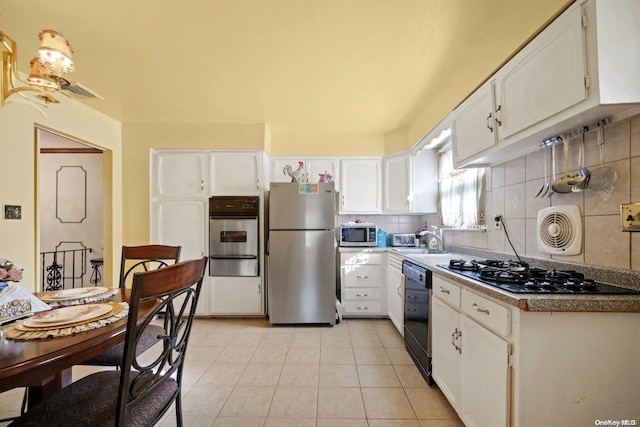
{"points": [[435, 236]]}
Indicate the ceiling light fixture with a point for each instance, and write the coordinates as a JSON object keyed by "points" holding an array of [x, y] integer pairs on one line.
{"points": [[52, 60]]}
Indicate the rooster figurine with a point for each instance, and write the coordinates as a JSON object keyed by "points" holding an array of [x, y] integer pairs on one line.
{"points": [[296, 175]]}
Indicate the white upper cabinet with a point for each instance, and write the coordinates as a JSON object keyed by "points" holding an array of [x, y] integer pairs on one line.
{"points": [[235, 173], [474, 129], [360, 187], [180, 174], [397, 177], [582, 67], [313, 167]]}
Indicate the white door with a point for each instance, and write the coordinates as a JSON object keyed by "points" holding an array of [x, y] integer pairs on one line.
{"points": [[446, 358], [397, 177], [235, 174], [395, 293], [180, 174], [183, 223], [317, 166], [474, 128], [360, 186], [277, 168], [236, 295], [485, 373]]}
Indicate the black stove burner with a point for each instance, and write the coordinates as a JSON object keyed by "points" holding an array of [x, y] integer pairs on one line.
{"points": [[518, 277]]}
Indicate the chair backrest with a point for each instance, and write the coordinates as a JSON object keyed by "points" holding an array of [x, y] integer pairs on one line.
{"points": [[175, 290], [145, 258]]}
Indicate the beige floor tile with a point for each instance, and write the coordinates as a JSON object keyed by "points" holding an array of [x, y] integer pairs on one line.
{"points": [[303, 355], [205, 401], [339, 376], [388, 403], [284, 330], [336, 356], [359, 326], [276, 340], [260, 375], [290, 422], [410, 376], [233, 355], [430, 404], [269, 355], [187, 420], [306, 340], [299, 375], [237, 422], [385, 327], [441, 423], [399, 356], [251, 402], [394, 423], [246, 340], [335, 340], [345, 422], [203, 353], [221, 374], [393, 340], [377, 376], [365, 340], [334, 402], [294, 402], [371, 356]]}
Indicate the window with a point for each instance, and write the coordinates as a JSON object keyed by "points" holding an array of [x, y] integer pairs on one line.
{"points": [[461, 194]]}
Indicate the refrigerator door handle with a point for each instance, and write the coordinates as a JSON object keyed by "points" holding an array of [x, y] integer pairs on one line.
{"points": [[267, 251]]}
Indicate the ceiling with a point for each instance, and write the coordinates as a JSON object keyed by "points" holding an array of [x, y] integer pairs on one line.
{"points": [[323, 66]]}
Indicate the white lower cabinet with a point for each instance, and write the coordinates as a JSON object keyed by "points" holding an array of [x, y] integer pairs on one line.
{"points": [[395, 291], [361, 279], [235, 295], [470, 362]]}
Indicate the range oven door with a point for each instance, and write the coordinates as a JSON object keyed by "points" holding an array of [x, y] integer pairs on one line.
{"points": [[233, 246]]}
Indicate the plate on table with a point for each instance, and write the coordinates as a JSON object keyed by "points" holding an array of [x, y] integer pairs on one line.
{"points": [[65, 315], [74, 293]]}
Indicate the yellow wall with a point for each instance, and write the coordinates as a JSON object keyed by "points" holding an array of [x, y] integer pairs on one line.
{"points": [[19, 241], [319, 144]]}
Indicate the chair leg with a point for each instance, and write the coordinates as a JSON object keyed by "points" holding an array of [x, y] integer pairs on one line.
{"points": [[179, 409]]}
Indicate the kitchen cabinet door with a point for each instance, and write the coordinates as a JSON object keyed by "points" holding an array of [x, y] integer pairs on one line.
{"points": [[236, 296], [446, 363], [360, 186], [485, 373], [474, 128], [235, 173], [397, 179], [180, 173], [318, 165], [277, 168], [395, 291], [546, 77]]}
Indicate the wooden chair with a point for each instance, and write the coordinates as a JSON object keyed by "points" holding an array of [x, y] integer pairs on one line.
{"points": [[137, 259], [142, 391]]}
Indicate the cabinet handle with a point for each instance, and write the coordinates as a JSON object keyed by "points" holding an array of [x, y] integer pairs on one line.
{"points": [[259, 292], [343, 200], [257, 184], [412, 297], [498, 121], [362, 295], [399, 290], [476, 308], [444, 291], [362, 277], [489, 123], [362, 308], [454, 337], [202, 184], [411, 309]]}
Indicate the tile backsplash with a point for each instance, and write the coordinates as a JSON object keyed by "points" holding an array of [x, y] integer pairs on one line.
{"points": [[512, 187]]}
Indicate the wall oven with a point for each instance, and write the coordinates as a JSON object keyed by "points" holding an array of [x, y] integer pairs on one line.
{"points": [[417, 316], [233, 236]]}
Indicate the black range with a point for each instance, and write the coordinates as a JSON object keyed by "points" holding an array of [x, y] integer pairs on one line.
{"points": [[519, 277]]}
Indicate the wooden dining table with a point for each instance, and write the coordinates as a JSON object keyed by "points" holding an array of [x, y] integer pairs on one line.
{"points": [[44, 366]]}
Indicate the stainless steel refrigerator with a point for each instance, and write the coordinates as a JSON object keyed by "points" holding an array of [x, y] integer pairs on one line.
{"points": [[301, 251]]}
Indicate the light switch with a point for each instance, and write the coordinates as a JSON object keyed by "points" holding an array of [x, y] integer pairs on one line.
{"points": [[630, 217], [12, 212]]}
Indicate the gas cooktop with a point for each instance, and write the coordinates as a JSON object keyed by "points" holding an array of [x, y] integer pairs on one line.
{"points": [[518, 277]]}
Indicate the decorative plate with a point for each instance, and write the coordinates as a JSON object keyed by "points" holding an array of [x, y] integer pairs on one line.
{"points": [[74, 293], [65, 315]]}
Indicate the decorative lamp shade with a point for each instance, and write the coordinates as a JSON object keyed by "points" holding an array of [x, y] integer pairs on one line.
{"points": [[40, 75], [55, 51]]}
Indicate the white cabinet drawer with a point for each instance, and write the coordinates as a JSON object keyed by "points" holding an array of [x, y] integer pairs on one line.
{"points": [[362, 294], [362, 276], [486, 312], [359, 258], [362, 307], [446, 291]]}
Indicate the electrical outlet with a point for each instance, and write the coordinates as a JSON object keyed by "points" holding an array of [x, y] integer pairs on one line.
{"points": [[630, 217], [12, 212], [497, 221]]}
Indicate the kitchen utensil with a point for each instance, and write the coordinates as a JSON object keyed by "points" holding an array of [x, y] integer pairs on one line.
{"points": [[602, 178], [553, 167], [562, 185], [545, 186], [581, 180]]}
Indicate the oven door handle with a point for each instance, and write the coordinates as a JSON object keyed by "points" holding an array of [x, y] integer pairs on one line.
{"points": [[233, 257]]}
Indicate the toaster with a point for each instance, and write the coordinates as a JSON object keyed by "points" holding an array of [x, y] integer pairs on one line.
{"points": [[403, 239]]}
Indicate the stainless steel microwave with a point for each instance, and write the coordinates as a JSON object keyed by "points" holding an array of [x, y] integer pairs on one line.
{"points": [[358, 235]]}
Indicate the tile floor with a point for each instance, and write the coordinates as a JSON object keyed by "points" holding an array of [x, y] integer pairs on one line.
{"points": [[244, 372]]}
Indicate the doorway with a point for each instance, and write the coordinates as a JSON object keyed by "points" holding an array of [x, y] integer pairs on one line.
{"points": [[70, 212]]}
